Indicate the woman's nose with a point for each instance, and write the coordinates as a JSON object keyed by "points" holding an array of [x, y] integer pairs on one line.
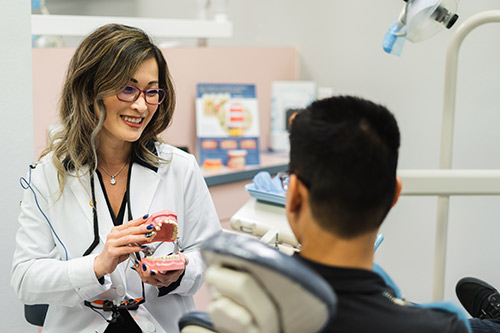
{"points": [[140, 103]]}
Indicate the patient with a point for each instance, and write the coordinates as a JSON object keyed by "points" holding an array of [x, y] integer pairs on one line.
{"points": [[342, 184]]}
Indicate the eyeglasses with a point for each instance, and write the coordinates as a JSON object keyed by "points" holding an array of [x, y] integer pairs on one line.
{"points": [[284, 177], [131, 304], [153, 96], [114, 307], [107, 305]]}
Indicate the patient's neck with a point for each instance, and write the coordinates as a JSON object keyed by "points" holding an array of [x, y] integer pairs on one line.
{"points": [[329, 249]]}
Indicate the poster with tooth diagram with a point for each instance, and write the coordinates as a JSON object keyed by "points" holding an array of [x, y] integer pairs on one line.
{"points": [[227, 119]]}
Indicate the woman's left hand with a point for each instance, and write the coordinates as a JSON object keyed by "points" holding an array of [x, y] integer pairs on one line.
{"points": [[160, 279]]}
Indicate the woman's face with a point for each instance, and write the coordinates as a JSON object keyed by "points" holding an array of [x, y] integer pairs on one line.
{"points": [[125, 121]]}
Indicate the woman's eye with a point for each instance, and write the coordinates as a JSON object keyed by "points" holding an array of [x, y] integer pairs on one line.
{"points": [[129, 90], [152, 92]]}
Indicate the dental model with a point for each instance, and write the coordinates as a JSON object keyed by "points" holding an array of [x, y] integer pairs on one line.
{"points": [[165, 226], [165, 230], [163, 264]]}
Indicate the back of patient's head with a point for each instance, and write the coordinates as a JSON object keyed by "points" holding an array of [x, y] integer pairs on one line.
{"points": [[345, 151]]}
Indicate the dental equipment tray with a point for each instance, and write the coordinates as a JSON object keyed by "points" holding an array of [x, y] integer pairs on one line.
{"points": [[278, 199]]}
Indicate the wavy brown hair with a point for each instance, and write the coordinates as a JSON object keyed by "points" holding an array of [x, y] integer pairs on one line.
{"points": [[101, 66]]}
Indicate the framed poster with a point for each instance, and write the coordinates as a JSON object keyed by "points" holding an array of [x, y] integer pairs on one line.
{"points": [[227, 124]]}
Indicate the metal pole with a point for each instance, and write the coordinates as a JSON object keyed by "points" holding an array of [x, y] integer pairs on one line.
{"points": [[450, 87]]}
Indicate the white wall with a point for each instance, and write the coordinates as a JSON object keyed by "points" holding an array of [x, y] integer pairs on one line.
{"points": [[16, 135], [340, 46]]}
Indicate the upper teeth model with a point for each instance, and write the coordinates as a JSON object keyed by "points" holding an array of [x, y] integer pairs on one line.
{"points": [[165, 226], [164, 230]]}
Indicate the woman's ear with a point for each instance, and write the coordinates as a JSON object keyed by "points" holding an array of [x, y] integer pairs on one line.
{"points": [[397, 190]]}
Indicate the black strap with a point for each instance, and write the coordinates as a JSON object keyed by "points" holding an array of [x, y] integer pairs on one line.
{"points": [[130, 217], [162, 291], [117, 219], [124, 323], [96, 222], [94, 211], [127, 194]]}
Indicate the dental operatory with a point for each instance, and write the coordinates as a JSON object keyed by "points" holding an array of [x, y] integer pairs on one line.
{"points": [[250, 166]]}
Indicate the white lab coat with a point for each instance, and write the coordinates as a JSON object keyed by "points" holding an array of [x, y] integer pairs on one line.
{"points": [[41, 274]]}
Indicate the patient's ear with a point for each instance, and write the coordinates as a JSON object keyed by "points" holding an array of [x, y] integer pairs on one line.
{"points": [[293, 206], [397, 191], [293, 197]]}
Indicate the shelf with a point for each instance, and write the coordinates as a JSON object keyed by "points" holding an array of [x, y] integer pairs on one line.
{"points": [[270, 162], [80, 25]]}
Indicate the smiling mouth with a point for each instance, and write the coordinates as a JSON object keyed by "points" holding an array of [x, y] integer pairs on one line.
{"points": [[134, 120]]}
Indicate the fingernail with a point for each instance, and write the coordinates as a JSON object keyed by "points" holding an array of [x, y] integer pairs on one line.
{"points": [[149, 227], [136, 262], [132, 268], [144, 247], [145, 216], [153, 273], [144, 268]]}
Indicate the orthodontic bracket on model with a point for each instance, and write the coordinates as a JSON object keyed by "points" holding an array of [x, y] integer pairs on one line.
{"points": [[164, 230], [164, 226]]}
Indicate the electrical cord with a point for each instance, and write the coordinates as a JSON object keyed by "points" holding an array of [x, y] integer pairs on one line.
{"points": [[131, 304], [26, 184]]}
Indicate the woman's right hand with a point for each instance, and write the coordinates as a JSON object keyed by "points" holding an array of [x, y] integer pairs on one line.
{"points": [[121, 241]]}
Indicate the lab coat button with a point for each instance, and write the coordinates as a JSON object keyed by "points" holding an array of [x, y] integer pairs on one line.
{"points": [[150, 327], [120, 291]]}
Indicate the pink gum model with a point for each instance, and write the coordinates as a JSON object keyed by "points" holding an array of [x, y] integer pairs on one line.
{"points": [[165, 226], [162, 264], [165, 230]]}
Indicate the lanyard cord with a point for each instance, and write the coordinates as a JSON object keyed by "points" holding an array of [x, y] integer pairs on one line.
{"points": [[129, 213], [127, 194], [96, 222], [94, 211], [96, 231]]}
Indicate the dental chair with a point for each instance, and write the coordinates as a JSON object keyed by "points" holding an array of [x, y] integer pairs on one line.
{"points": [[259, 289]]}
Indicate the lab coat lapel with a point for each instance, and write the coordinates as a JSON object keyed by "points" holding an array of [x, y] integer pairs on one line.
{"points": [[83, 195], [81, 191], [143, 185]]}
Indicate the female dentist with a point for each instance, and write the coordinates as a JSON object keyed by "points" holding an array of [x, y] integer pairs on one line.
{"points": [[83, 224]]}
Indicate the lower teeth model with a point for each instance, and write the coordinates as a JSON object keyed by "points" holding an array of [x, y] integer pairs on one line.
{"points": [[162, 264]]}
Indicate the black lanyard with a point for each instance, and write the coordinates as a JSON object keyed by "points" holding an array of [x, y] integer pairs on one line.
{"points": [[94, 210], [130, 304]]}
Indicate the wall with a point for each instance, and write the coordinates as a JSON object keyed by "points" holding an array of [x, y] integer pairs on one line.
{"points": [[16, 135], [188, 66], [339, 43]]}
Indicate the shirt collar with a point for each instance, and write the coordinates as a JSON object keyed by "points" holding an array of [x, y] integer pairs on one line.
{"points": [[136, 158], [348, 280]]}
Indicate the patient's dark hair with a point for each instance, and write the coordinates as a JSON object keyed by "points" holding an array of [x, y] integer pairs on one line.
{"points": [[345, 151]]}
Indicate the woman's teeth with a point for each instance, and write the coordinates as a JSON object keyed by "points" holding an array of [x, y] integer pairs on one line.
{"points": [[132, 120]]}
